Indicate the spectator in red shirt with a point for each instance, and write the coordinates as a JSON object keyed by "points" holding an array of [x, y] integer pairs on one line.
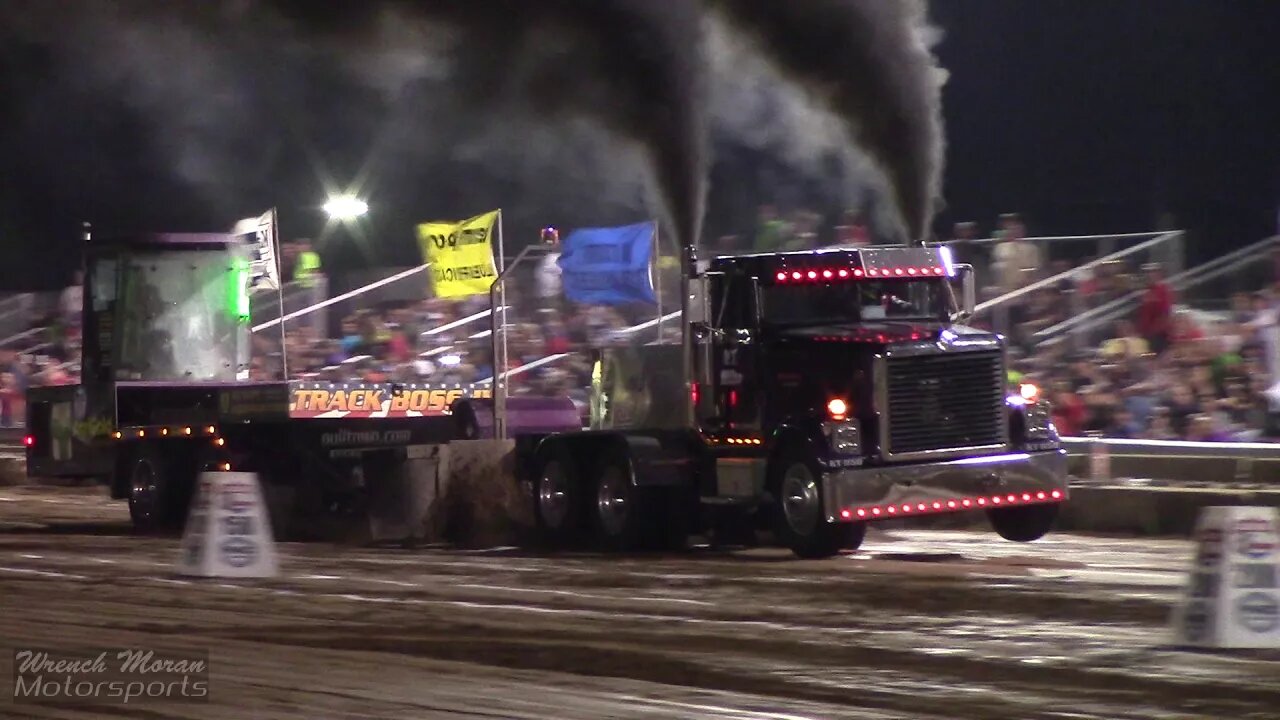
{"points": [[1155, 314], [1182, 330], [1068, 410]]}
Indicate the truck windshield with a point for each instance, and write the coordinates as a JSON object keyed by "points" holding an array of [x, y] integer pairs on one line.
{"points": [[861, 301]]}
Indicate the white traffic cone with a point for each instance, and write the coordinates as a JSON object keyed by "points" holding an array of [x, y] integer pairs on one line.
{"points": [[1233, 597], [228, 532]]}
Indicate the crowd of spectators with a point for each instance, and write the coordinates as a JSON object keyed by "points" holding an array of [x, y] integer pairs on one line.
{"points": [[46, 354], [1160, 371], [1157, 372]]}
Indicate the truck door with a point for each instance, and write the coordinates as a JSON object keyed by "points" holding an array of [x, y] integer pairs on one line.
{"points": [[733, 400], [703, 341]]}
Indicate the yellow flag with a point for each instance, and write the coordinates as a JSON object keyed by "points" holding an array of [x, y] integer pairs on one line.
{"points": [[461, 255]]}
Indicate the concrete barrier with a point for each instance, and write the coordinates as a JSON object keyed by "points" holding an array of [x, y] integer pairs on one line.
{"points": [[1144, 510], [1177, 461]]}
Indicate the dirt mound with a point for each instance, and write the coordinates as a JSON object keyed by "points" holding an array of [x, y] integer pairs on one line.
{"points": [[481, 502]]}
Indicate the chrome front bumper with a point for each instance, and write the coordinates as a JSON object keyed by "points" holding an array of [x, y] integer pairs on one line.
{"points": [[978, 483]]}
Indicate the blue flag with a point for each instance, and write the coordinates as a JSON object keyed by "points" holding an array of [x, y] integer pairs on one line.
{"points": [[608, 266]]}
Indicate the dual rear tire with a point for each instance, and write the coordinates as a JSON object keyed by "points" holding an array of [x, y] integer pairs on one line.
{"points": [[599, 501]]}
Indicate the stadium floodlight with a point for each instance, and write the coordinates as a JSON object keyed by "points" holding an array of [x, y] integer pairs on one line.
{"points": [[345, 207]]}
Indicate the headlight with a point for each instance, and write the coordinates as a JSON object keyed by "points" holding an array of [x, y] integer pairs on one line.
{"points": [[844, 438]]}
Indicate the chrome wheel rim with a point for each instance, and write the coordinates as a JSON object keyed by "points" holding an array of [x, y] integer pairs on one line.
{"points": [[800, 504], [612, 499], [144, 493], [553, 495]]}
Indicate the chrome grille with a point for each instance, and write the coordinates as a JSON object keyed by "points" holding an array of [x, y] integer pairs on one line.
{"points": [[946, 401]]}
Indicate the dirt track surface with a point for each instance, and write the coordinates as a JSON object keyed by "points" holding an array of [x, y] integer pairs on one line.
{"points": [[952, 625]]}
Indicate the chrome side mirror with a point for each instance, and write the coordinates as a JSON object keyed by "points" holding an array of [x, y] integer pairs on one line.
{"points": [[968, 294]]}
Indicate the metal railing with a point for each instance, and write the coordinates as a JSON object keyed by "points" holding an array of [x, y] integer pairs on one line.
{"points": [[295, 296], [17, 338], [498, 329], [15, 313], [549, 359], [1091, 320], [1070, 248], [997, 309]]}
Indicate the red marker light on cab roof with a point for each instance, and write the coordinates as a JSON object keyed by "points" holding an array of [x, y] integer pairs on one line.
{"points": [[29, 440], [830, 273]]}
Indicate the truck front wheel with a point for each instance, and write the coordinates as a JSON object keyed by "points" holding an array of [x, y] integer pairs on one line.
{"points": [[799, 520], [1023, 524], [156, 502]]}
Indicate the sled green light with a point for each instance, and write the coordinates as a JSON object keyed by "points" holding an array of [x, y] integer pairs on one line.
{"points": [[239, 291]]}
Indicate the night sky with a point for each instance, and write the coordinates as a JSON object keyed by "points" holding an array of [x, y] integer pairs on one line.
{"points": [[1099, 116], [1084, 116]]}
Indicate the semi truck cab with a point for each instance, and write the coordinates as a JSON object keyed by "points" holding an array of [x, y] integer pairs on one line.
{"points": [[819, 391]]}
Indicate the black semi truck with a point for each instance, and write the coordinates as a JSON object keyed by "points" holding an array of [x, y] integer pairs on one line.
{"points": [[813, 391]]}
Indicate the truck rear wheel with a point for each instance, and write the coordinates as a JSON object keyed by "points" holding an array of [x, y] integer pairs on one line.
{"points": [[799, 520], [621, 511], [558, 497], [1023, 524]]}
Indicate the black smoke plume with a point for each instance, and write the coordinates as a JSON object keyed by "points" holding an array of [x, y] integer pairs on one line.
{"points": [[634, 66], [182, 116], [869, 60]]}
